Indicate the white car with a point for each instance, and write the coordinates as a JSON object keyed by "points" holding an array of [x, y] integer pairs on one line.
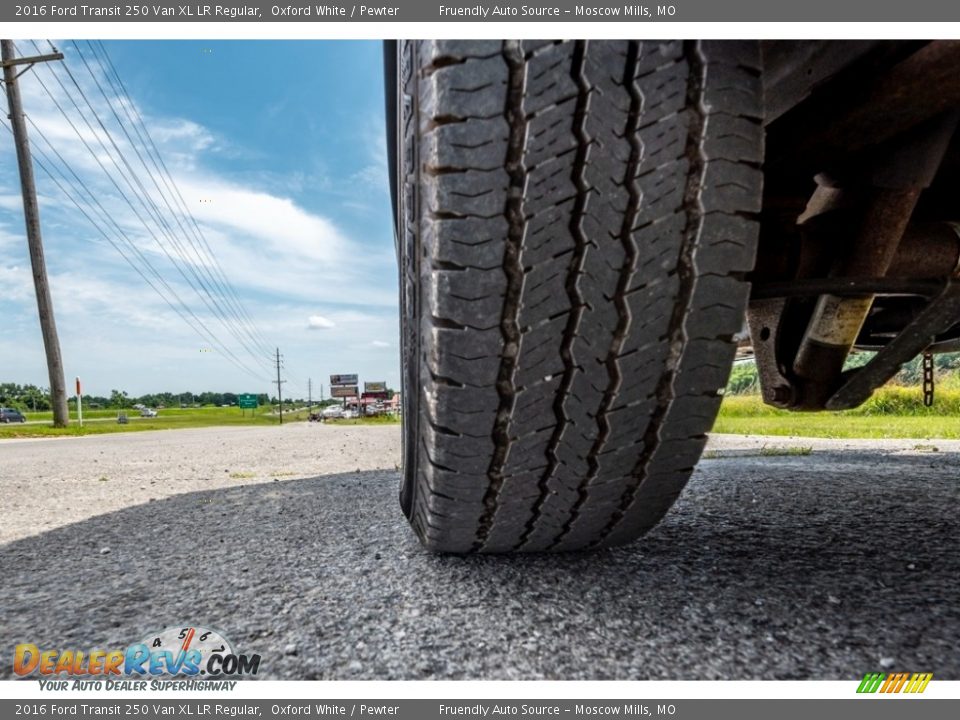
{"points": [[333, 411]]}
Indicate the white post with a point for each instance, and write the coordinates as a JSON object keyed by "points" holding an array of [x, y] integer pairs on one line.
{"points": [[79, 404]]}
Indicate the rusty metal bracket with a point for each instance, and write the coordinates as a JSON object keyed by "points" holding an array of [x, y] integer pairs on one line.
{"points": [[940, 315], [764, 317]]}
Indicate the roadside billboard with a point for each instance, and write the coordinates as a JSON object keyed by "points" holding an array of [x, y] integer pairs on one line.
{"points": [[343, 380], [375, 387], [344, 391]]}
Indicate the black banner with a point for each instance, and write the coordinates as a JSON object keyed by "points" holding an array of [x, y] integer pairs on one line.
{"points": [[737, 11]]}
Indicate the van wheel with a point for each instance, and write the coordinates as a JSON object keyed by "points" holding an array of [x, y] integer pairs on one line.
{"points": [[575, 222]]}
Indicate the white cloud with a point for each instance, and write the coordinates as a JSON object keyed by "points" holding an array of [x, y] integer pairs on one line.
{"points": [[277, 222], [11, 202], [319, 322], [12, 240], [284, 259], [17, 283], [183, 132]]}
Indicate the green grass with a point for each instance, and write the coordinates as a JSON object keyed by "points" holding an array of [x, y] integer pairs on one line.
{"points": [[765, 451], [893, 412], [777, 451], [98, 422]]}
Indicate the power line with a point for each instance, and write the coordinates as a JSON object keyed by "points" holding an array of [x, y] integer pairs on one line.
{"points": [[123, 194], [203, 259], [133, 113], [46, 164], [149, 205]]}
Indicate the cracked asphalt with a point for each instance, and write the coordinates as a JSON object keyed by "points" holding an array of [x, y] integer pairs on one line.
{"points": [[770, 566]]}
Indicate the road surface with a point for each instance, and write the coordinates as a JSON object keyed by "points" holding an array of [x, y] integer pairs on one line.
{"points": [[771, 566]]}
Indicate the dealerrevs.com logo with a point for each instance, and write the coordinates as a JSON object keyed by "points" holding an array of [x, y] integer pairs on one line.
{"points": [[187, 652]]}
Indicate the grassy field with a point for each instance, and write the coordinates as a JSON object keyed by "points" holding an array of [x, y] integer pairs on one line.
{"points": [[105, 421], [893, 412]]}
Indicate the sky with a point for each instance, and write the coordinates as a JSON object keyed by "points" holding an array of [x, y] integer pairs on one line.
{"points": [[278, 152]]}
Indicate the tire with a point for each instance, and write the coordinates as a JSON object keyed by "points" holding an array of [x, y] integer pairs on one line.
{"points": [[575, 220]]}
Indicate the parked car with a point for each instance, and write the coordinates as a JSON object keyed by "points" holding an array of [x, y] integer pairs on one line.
{"points": [[148, 412], [333, 411], [8, 415]]}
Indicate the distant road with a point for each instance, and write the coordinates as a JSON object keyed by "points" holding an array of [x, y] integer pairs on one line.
{"points": [[290, 541]]}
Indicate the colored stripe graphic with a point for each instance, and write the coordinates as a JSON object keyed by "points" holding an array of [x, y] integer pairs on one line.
{"points": [[894, 682], [871, 682], [919, 682]]}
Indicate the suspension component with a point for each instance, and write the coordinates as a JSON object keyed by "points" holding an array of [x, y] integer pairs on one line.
{"points": [[885, 190], [928, 379]]}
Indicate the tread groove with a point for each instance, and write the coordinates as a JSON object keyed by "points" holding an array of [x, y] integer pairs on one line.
{"points": [[509, 324]]}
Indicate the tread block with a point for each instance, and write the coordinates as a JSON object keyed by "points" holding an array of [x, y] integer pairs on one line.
{"points": [[468, 242], [731, 187], [473, 192], [733, 137], [472, 144], [467, 297], [475, 88], [459, 50]]}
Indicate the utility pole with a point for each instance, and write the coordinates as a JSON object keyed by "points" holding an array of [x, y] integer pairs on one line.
{"points": [[279, 383], [31, 216], [309, 395]]}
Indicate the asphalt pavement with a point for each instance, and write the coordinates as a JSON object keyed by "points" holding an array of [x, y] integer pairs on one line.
{"points": [[821, 566]]}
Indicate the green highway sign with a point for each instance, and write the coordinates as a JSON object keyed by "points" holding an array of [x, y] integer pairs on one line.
{"points": [[247, 401]]}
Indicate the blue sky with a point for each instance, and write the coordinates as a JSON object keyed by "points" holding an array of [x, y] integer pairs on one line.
{"points": [[278, 151]]}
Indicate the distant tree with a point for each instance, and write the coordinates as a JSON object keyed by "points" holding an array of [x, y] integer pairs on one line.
{"points": [[118, 399], [24, 397]]}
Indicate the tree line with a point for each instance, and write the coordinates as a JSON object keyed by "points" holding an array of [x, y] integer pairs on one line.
{"points": [[33, 398]]}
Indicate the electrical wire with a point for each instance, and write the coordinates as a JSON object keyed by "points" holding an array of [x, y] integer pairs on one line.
{"points": [[145, 200], [229, 313], [133, 112], [45, 164]]}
